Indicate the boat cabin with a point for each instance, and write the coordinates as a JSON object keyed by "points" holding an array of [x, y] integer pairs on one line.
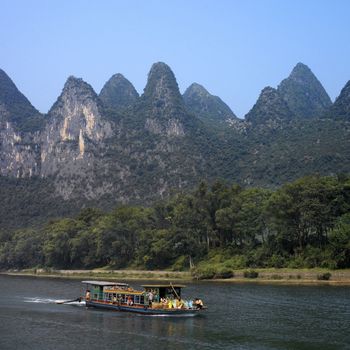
{"points": [[113, 292], [163, 291], [95, 289]]}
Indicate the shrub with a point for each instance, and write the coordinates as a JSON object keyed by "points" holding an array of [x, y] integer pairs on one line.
{"points": [[181, 263], [276, 277], [324, 276], [250, 274], [236, 262], [296, 262], [277, 261], [224, 272], [203, 273]]}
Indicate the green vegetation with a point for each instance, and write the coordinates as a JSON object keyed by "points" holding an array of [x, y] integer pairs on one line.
{"points": [[211, 231], [324, 276], [251, 274]]}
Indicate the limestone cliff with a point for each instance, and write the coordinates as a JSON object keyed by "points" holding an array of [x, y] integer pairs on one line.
{"points": [[73, 136], [20, 123]]}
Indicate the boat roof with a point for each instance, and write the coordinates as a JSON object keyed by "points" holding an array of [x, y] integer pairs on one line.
{"points": [[124, 291], [163, 286], [105, 283]]}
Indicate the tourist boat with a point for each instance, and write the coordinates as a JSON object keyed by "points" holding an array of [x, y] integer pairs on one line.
{"points": [[154, 299]]}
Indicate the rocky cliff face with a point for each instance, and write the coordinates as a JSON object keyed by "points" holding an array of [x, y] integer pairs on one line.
{"points": [[19, 152], [118, 93], [206, 106], [20, 123], [303, 93], [75, 120], [73, 136]]}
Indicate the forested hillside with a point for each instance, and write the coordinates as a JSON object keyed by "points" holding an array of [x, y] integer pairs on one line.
{"points": [[214, 228]]}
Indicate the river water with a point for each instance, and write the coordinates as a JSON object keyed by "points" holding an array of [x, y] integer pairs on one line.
{"points": [[239, 316]]}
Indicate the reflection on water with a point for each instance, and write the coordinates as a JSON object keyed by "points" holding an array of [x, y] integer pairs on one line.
{"points": [[239, 317]]}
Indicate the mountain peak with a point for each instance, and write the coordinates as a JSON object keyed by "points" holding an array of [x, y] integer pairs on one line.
{"points": [[301, 68], [76, 92], [341, 107], [197, 89], [78, 89], [206, 106], [161, 82], [270, 106], [118, 92], [163, 108], [162, 90], [160, 68], [74, 82], [267, 91], [16, 108], [303, 93], [77, 114]]}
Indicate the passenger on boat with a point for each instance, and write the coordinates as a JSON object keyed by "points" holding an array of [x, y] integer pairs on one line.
{"points": [[180, 303], [130, 301], [175, 303], [119, 299], [87, 295], [198, 303], [150, 298], [114, 299]]}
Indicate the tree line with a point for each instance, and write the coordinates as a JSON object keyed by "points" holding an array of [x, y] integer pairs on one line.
{"points": [[302, 224]]}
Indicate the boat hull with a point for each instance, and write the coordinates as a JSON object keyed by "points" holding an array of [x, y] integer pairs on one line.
{"points": [[144, 310]]}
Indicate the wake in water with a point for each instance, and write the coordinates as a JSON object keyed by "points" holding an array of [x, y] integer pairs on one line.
{"points": [[41, 300], [54, 301]]}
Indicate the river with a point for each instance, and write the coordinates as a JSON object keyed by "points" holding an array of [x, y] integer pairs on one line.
{"points": [[239, 316]]}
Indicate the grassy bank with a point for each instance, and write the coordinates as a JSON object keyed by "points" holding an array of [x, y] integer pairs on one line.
{"points": [[291, 276], [266, 275], [103, 274]]}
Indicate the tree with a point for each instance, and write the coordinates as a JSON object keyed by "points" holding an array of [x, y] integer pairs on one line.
{"points": [[340, 241]]}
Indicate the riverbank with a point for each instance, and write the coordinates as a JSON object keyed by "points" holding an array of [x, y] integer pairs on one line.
{"points": [[291, 276], [102, 274], [265, 276]]}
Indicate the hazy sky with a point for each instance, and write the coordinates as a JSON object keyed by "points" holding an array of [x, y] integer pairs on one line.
{"points": [[233, 48]]}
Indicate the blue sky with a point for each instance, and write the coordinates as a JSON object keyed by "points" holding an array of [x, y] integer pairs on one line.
{"points": [[233, 48]]}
